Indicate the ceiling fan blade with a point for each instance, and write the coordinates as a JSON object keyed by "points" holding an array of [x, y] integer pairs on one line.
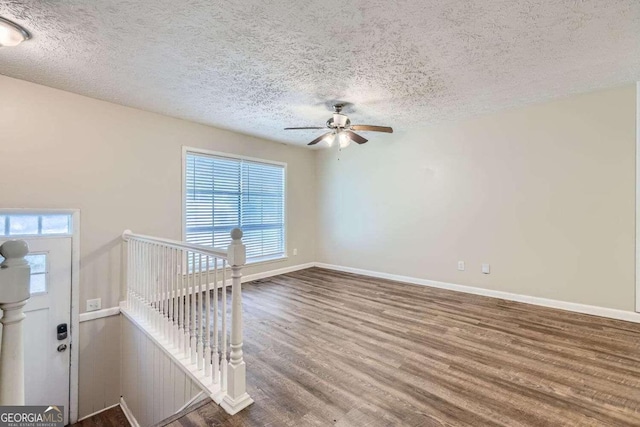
{"points": [[372, 128], [320, 138], [355, 137], [310, 127]]}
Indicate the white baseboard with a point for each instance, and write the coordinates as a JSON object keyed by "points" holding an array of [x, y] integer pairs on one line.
{"points": [[98, 314], [611, 313], [127, 413], [98, 412]]}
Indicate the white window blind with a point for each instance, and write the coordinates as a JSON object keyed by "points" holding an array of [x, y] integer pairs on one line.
{"points": [[223, 193]]}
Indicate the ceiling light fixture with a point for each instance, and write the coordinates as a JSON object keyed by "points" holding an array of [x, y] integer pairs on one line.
{"points": [[344, 140], [12, 34], [330, 138]]}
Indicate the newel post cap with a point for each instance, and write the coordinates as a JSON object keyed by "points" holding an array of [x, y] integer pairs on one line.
{"points": [[14, 252], [236, 251], [15, 272], [236, 234]]}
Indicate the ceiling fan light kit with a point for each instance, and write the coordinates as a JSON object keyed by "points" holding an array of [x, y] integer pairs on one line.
{"points": [[12, 34], [341, 129]]}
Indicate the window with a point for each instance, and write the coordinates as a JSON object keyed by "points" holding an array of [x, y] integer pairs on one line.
{"points": [[38, 263], [226, 192], [35, 225]]}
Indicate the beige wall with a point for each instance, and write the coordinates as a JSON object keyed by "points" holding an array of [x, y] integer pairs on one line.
{"points": [[99, 367], [122, 168], [545, 194]]}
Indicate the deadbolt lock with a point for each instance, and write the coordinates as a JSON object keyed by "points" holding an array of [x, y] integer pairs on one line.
{"points": [[61, 331]]}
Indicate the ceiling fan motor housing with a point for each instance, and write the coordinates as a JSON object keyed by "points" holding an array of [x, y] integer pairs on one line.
{"points": [[338, 121]]}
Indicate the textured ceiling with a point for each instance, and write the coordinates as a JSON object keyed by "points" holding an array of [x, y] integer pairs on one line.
{"points": [[256, 66]]}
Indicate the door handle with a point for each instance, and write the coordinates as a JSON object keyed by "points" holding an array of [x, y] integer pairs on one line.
{"points": [[62, 347]]}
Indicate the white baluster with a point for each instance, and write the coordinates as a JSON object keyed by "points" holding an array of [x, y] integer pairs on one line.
{"points": [[187, 305], [216, 353], [139, 280], [129, 269], [181, 309], [154, 286], [134, 274], [237, 397], [148, 282], [163, 294], [144, 254], [157, 288], [223, 332], [168, 295], [161, 283], [207, 331], [168, 324], [14, 294], [174, 297], [199, 355], [193, 310]]}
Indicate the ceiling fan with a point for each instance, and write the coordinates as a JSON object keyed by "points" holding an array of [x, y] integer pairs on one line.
{"points": [[341, 128]]}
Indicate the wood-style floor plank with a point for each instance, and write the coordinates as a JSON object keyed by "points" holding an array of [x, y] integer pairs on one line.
{"points": [[113, 417], [328, 348]]}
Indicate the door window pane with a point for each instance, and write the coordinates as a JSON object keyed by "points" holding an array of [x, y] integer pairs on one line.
{"points": [[38, 263], [20, 225], [38, 283], [55, 224]]}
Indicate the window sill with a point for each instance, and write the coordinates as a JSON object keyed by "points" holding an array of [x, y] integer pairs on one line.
{"points": [[266, 260]]}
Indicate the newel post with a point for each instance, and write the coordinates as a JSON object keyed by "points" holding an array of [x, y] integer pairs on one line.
{"points": [[14, 293], [236, 398]]}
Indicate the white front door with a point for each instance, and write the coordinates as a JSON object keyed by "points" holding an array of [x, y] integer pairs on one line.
{"points": [[46, 356]]}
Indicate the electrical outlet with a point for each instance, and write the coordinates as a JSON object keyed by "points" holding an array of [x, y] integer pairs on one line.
{"points": [[486, 268], [460, 265], [94, 304], [295, 251]]}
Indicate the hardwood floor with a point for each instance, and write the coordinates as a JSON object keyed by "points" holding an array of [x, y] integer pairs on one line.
{"points": [[328, 348], [113, 417]]}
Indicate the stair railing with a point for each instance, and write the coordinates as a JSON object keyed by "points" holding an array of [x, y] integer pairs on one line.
{"points": [[177, 292]]}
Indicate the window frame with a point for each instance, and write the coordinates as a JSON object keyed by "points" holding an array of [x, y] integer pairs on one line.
{"points": [[9, 212], [193, 150]]}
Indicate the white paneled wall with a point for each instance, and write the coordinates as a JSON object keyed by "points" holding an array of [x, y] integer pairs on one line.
{"points": [[152, 386]]}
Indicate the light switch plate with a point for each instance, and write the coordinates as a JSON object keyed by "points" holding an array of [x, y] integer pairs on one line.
{"points": [[460, 265], [486, 268]]}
